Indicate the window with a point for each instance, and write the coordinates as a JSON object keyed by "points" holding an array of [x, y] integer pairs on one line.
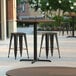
{"points": [[23, 7]]}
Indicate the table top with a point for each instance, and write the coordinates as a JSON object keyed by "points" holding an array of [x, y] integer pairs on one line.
{"points": [[43, 71], [35, 20]]}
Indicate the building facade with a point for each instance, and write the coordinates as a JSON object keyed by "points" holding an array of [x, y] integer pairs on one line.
{"points": [[10, 12], [7, 18], [24, 10]]}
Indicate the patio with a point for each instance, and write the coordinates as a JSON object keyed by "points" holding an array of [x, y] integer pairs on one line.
{"points": [[67, 50]]}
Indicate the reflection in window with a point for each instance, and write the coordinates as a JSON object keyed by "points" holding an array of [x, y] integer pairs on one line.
{"points": [[23, 7]]}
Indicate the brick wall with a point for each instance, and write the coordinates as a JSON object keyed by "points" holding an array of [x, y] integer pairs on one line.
{"points": [[10, 9]]}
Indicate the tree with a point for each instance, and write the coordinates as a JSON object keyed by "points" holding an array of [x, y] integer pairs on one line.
{"points": [[50, 5]]}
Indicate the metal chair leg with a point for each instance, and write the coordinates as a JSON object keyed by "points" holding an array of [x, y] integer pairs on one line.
{"points": [[20, 44], [52, 43], [41, 44], [15, 45], [57, 45], [10, 45], [26, 45]]}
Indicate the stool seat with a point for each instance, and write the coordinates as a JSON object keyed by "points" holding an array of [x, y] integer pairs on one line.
{"points": [[16, 36], [50, 36], [45, 32], [18, 33]]}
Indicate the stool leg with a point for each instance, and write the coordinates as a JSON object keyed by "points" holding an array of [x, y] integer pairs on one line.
{"points": [[20, 44], [26, 45], [47, 44], [63, 31], [57, 45], [41, 44], [10, 45], [52, 43], [15, 45]]}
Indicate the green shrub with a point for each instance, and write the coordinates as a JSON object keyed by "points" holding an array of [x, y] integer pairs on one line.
{"points": [[45, 26]]}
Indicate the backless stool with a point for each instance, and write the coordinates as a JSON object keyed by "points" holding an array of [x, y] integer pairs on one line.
{"points": [[18, 36], [51, 36]]}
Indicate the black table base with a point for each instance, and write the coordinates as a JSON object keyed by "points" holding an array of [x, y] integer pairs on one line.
{"points": [[41, 60], [33, 61], [71, 37], [26, 59]]}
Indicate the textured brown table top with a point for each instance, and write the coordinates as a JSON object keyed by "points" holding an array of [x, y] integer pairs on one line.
{"points": [[43, 71], [35, 20]]}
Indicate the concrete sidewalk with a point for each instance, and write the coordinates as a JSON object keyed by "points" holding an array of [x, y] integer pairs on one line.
{"points": [[67, 50]]}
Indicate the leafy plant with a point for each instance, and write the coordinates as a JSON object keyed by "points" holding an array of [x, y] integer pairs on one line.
{"points": [[45, 26], [58, 20]]}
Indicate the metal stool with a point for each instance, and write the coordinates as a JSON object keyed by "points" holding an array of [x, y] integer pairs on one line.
{"points": [[51, 36], [16, 36]]}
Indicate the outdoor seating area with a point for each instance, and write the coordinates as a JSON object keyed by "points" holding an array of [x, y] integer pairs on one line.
{"points": [[67, 50], [38, 38]]}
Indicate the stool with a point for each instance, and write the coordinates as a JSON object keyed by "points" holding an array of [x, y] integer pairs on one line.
{"points": [[51, 36], [16, 36]]}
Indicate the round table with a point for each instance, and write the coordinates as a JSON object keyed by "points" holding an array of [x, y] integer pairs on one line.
{"points": [[43, 71]]}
